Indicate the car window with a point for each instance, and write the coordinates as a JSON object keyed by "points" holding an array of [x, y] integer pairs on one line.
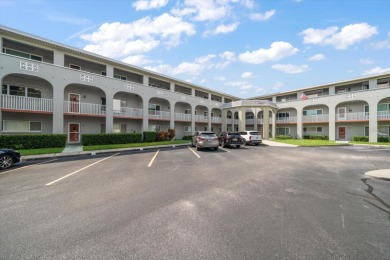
{"points": [[243, 133], [254, 133], [234, 133], [208, 135]]}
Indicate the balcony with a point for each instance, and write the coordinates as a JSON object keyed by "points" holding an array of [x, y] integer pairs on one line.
{"points": [[77, 108], [315, 119], [359, 116], [129, 112], [159, 115], [216, 120], [286, 120], [201, 119], [383, 115], [183, 117], [17, 103]]}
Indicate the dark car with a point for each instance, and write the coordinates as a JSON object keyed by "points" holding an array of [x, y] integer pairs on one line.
{"points": [[8, 157], [229, 139]]}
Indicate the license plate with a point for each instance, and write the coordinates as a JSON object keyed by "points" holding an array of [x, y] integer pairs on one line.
{"points": [[234, 139]]}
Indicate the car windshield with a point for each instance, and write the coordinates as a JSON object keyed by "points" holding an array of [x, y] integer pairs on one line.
{"points": [[234, 133], [208, 135], [254, 133]]}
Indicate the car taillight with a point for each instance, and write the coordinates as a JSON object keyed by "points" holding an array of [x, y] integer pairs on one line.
{"points": [[250, 137], [200, 138]]}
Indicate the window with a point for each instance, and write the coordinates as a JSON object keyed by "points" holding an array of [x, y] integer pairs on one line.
{"points": [[154, 128], [312, 112], [119, 105], [36, 93], [17, 91], [313, 129], [205, 128], [249, 116], [117, 76], [104, 73], [283, 115], [21, 126], [187, 111], [74, 66], [119, 128], [282, 130], [154, 109], [20, 91], [22, 54], [383, 107], [383, 130], [187, 129], [205, 113], [366, 131]]}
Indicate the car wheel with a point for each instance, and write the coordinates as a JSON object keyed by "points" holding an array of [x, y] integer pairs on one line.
{"points": [[215, 148], [197, 148], [238, 146], [6, 161], [257, 144], [244, 141]]}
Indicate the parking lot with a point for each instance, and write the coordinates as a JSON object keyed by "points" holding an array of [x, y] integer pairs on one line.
{"points": [[255, 202]]}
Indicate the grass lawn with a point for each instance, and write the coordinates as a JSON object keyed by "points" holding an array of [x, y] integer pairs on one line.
{"points": [[379, 143], [118, 146], [306, 142], [25, 152]]}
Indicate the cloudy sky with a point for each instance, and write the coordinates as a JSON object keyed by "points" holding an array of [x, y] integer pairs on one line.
{"points": [[244, 48]]}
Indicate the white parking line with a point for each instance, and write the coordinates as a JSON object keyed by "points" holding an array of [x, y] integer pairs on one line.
{"points": [[70, 174], [197, 155], [373, 150], [224, 149], [154, 157], [24, 167]]}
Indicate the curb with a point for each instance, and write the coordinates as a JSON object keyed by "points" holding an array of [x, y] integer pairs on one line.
{"points": [[379, 174], [74, 154]]}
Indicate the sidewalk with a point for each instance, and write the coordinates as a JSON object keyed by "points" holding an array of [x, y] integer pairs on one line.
{"points": [[271, 143], [379, 174]]}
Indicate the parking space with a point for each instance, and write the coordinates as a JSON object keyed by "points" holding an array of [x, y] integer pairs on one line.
{"points": [[165, 196]]}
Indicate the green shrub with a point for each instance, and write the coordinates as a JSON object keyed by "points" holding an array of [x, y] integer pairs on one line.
{"points": [[316, 137], [100, 139], [283, 137], [150, 136], [187, 137], [383, 139], [357, 138], [33, 141]]}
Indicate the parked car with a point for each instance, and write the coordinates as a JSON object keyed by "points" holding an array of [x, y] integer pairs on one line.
{"points": [[230, 138], [251, 137], [205, 139], [8, 157]]}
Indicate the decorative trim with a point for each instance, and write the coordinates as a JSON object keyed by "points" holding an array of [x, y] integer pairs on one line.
{"points": [[25, 65], [85, 77]]}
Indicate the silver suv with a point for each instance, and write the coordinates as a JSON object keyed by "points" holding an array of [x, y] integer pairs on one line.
{"points": [[251, 137], [205, 139]]}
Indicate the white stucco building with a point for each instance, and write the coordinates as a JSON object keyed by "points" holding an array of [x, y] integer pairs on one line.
{"points": [[49, 87]]}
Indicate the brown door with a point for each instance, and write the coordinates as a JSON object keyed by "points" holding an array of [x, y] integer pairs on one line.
{"points": [[74, 133], [342, 132], [74, 103]]}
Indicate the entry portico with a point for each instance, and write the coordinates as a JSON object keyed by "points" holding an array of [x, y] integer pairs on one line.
{"points": [[254, 106]]}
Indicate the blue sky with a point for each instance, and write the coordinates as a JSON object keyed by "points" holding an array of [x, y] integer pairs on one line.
{"points": [[245, 48]]}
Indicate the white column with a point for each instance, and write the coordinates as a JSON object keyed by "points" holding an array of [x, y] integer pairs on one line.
{"points": [[209, 119], [145, 80], [109, 114], [145, 117], [193, 119], [59, 58], [372, 84], [332, 123], [172, 87], [274, 123], [172, 117], [241, 119], [110, 71], [224, 119], [266, 123], [299, 123], [373, 122], [58, 109]]}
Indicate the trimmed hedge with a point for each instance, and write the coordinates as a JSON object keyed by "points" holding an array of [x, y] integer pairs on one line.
{"points": [[101, 139], [357, 138], [316, 137], [187, 137], [33, 141], [383, 139], [150, 136], [283, 137]]}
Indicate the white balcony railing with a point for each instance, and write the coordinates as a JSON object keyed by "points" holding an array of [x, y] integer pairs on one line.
{"points": [[315, 118], [229, 121], [26, 103], [129, 112], [84, 108], [383, 115], [183, 117], [249, 121], [359, 116], [162, 115], [215, 119], [286, 120], [199, 118]]}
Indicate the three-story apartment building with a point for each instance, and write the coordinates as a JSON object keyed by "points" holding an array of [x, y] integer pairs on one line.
{"points": [[51, 88]]}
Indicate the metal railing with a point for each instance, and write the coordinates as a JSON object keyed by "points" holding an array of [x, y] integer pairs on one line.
{"points": [[383, 115], [26, 103], [286, 120], [315, 118], [216, 119], [359, 116], [162, 115], [84, 108], [199, 118], [182, 117], [129, 112]]}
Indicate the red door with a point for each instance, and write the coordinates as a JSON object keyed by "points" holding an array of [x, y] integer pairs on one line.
{"points": [[342, 132], [74, 133]]}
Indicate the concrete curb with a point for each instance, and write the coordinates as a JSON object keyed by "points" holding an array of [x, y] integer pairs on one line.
{"points": [[75, 154], [379, 174]]}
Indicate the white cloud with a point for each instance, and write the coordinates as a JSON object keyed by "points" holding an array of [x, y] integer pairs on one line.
{"points": [[149, 4], [137, 60], [278, 85], [64, 18], [228, 55], [118, 40], [340, 39], [290, 69], [317, 57], [246, 75], [204, 10], [376, 70], [262, 17], [242, 85], [220, 78], [222, 29], [366, 61], [278, 51], [383, 44]]}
